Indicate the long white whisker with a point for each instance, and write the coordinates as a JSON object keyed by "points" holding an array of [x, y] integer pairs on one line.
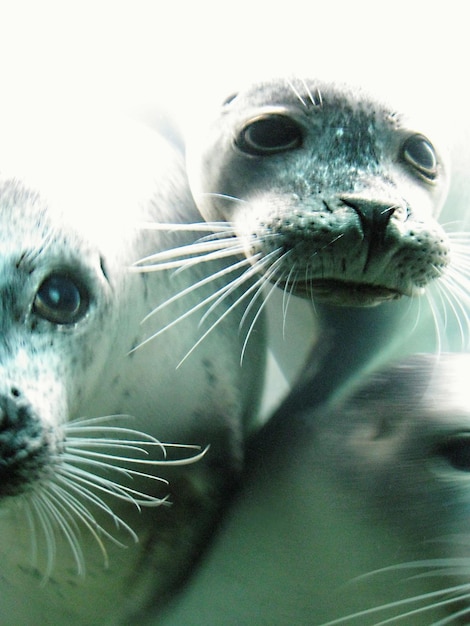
{"points": [[286, 297], [110, 487], [266, 277], [194, 227], [234, 250], [79, 511], [42, 513], [224, 196], [255, 269], [256, 316], [221, 318], [199, 252], [87, 494], [436, 320], [67, 524], [227, 270], [296, 93], [400, 603], [185, 315]]}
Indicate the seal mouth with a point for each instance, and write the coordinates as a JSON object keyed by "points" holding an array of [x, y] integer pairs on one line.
{"points": [[343, 293]]}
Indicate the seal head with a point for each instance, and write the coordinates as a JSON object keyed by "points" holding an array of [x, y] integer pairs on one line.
{"points": [[332, 193]]}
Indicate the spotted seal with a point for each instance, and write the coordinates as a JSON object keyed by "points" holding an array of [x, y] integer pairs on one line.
{"points": [[321, 192], [353, 513], [81, 405]]}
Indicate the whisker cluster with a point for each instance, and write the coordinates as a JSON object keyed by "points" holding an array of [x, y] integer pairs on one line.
{"points": [[445, 597], [246, 276], [252, 281], [97, 465], [449, 296]]}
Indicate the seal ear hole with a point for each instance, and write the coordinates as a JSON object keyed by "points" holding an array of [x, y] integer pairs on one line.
{"points": [[61, 299], [456, 452], [419, 153], [269, 134]]}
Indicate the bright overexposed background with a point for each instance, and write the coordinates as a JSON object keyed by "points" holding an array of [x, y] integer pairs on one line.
{"points": [[185, 55], [144, 51]]}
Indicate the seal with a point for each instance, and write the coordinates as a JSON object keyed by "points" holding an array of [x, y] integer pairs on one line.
{"points": [[330, 193], [352, 513], [82, 411]]}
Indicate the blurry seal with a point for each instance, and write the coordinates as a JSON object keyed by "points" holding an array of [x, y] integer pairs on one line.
{"points": [[355, 513], [81, 410]]}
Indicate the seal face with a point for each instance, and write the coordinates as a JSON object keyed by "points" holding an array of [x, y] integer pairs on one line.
{"points": [[332, 194], [82, 411]]}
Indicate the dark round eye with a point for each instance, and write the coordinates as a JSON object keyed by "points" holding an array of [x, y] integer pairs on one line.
{"points": [[60, 299], [457, 452], [269, 135], [420, 154]]}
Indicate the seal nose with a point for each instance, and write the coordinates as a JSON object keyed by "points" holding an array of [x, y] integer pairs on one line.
{"points": [[374, 218]]}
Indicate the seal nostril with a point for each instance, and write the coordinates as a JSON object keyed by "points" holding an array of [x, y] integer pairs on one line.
{"points": [[15, 392], [373, 216]]}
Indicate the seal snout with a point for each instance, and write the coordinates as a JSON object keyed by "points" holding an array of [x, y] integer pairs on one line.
{"points": [[374, 218], [23, 444]]}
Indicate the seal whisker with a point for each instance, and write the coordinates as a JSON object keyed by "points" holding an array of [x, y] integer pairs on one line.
{"points": [[221, 226], [310, 94], [265, 280], [81, 512], [214, 296], [154, 262], [403, 602], [66, 523], [223, 196], [453, 297], [297, 93], [437, 321], [200, 283], [70, 484], [111, 487], [235, 249], [254, 270], [25, 504], [265, 299], [264, 303], [286, 297], [235, 304], [256, 287], [38, 504]]}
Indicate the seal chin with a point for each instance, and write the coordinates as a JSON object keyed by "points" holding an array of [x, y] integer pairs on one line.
{"points": [[343, 293]]}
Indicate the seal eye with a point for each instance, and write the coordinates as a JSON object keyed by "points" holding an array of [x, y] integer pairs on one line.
{"points": [[419, 152], [269, 135], [60, 299], [457, 452]]}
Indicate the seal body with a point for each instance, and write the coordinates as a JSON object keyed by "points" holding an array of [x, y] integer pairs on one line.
{"points": [[332, 194], [72, 226], [354, 513]]}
